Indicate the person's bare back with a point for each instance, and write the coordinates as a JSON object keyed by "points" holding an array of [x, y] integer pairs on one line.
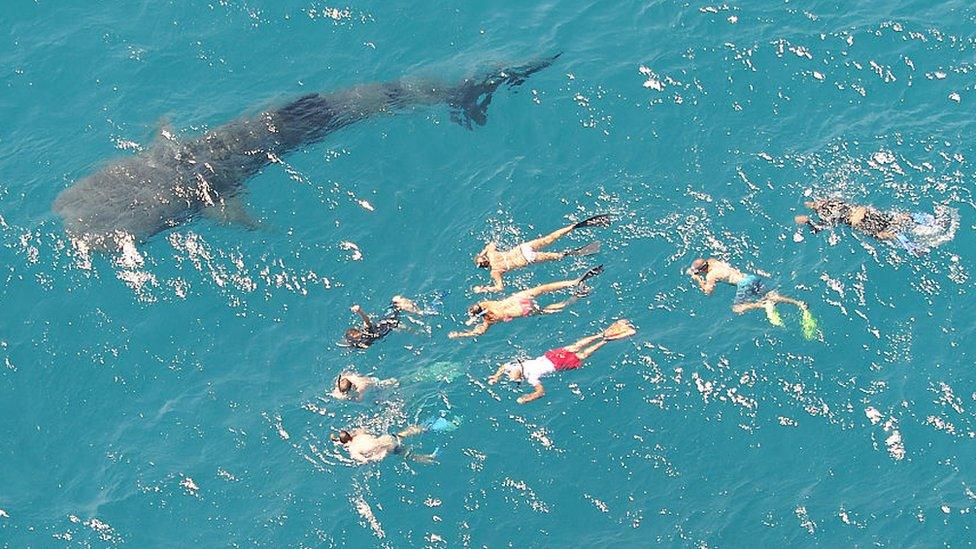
{"points": [[366, 448]]}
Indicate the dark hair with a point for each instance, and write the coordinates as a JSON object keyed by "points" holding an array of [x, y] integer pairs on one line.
{"points": [[353, 335], [344, 437], [475, 309], [343, 384], [699, 266]]}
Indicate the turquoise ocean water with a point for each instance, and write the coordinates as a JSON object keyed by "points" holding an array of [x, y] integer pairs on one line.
{"points": [[183, 400]]}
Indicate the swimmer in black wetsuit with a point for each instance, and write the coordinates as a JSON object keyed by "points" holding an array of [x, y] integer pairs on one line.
{"points": [[371, 332], [867, 219]]}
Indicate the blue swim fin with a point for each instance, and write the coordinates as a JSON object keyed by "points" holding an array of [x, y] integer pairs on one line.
{"points": [[440, 424], [909, 246]]}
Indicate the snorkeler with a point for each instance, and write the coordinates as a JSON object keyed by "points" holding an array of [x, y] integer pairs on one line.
{"points": [[916, 232], [751, 291], [867, 219], [528, 253], [350, 385], [522, 304], [557, 360], [364, 447], [371, 332]]}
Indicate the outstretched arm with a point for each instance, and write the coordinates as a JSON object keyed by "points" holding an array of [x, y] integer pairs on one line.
{"points": [[359, 311], [805, 220], [497, 284], [477, 331], [537, 393], [493, 378]]}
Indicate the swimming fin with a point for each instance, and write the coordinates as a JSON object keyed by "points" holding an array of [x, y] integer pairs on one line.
{"points": [[589, 249], [590, 274], [773, 315], [440, 424], [909, 246], [619, 330], [602, 220], [809, 325]]}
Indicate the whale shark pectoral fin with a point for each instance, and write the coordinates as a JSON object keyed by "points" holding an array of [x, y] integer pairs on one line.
{"points": [[231, 211], [470, 100]]}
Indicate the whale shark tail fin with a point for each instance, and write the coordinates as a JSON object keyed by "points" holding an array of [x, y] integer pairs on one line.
{"points": [[471, 98]]}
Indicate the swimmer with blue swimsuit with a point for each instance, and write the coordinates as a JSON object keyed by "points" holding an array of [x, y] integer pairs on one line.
{"points": [[751, 291]]}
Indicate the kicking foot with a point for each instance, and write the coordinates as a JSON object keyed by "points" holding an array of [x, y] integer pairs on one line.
{"points": [[619, 330]]}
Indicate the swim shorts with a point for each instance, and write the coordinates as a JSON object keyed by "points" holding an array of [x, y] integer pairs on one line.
{"points": [[563, 359], [750, 290]]}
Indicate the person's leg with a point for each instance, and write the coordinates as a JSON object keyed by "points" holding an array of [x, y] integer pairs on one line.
{"points": [[546, 288], [743, 307], [542, 257], [575, 347], [777, 298], [410, 431], [544, 241], [559, 306], [585, 353]]}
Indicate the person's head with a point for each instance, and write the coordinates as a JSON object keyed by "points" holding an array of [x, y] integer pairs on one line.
{"points": [[699, 266], [476, 310], [344, 437], [343, 384], [515, 371], [481, 260], [354, 336]]}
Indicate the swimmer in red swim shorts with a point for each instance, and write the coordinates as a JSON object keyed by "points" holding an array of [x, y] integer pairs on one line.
{"points": [[557, 360]]}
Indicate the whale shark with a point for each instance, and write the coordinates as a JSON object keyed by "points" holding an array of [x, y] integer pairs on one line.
{"points": [[174, 181]]}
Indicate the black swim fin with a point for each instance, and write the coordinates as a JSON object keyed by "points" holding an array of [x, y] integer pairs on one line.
{"points": [[589, 249], [602, 220], [471, 99], [590, 274]]}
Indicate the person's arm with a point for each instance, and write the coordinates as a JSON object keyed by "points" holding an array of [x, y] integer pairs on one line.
{"points": [[497, 284], [805, 220], [707, 285], [538, 392], [359, 311], [493, 378], [476, 331]]}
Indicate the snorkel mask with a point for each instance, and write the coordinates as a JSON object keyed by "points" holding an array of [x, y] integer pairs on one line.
{"points": [[475, 314], [511, 368]]}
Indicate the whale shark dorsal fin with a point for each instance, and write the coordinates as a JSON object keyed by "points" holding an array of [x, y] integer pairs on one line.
{"points": [[231, 211]]}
